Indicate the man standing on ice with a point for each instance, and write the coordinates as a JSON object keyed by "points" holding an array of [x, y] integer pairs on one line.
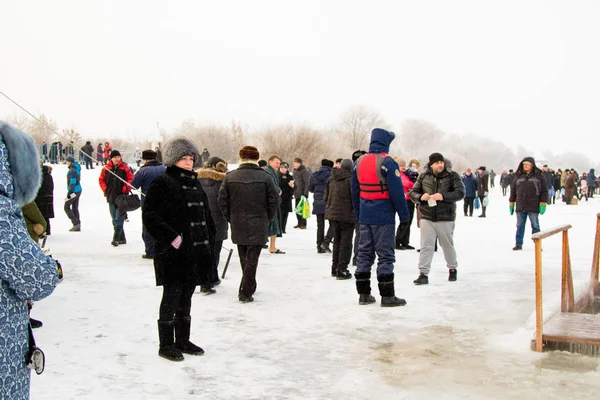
{"points": [[530, 193], [436, 191], [377, 195]]}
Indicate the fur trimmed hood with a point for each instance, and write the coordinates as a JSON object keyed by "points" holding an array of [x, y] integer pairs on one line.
{"points": [[215, 174], [20, 172]]}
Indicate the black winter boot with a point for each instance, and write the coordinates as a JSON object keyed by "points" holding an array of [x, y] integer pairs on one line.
{"points": [[333, 270], [182, 337], [387, 292], [343, 273], [116, 237], [363, 287], [122, 239], [167, 347]]}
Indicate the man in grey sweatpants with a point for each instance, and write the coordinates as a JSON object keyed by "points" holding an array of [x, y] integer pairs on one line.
{"points": [[436, 191]]}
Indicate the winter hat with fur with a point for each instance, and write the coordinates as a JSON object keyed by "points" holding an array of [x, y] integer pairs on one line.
{"points": [[20, 174], [177, 148], [148, 155], [249, 153]]}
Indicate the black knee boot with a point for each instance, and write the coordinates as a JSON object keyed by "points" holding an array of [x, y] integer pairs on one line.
{"points": [[182, 337], [363, 287], [167, 347], [387, 292], [116, 237]]}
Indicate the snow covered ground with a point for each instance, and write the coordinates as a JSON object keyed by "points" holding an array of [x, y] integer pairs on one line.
{"points": [[305, 336]]}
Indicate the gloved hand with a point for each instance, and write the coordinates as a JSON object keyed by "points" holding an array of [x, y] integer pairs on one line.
{"points": [[511, 207], [177, 242], [542, 208]]}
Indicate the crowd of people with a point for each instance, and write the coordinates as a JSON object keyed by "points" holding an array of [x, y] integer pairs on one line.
{"points": [[188, 213]]}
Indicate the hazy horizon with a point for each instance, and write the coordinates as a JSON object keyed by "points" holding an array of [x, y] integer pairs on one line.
{"points": [[518, 72]]}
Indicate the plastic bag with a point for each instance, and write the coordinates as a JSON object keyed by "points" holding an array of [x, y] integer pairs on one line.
{"points": [[306, 210], [300, 207], [485, 201], [477, 203]]}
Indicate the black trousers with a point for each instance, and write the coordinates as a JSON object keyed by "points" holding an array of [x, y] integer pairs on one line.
{"points": [[214, 275], [468, 205], [284, 219], [504, 190], [356, 240], [342, 244], [323, 238], [88, 163], [249, 255], [301, 221], [481, 204], [72, 209], [176, 301], [403, 231]]}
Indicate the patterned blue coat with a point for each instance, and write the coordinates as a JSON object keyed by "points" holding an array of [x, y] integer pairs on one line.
{"points": [[26, 273]]}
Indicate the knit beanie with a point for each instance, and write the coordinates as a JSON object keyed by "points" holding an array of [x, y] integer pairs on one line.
{"points": [[326, 163], [213, 161], [249, 153], [347, 164], [148, 155], [177, 148], [115, 153], [435, 157], [70, 158]]}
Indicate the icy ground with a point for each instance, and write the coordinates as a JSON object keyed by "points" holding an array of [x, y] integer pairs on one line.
{"points": [[305, 336]]}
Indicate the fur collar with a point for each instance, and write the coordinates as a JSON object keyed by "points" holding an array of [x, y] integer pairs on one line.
{"points": [[23, 164], [209, 173]]}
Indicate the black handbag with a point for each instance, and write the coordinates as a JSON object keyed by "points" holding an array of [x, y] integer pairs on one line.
{"points": [[35, 358], [128, 202]]}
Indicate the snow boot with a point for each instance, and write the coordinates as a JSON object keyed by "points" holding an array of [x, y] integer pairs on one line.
{"points": [[518, 247], [167, 347], [116, 237], [421, 280], [182, 337], [387, 291], [320, 250], [325, 247], [75, 228], [333, 271], [343, 273], [363, 287], [122, 239], [452, 275]]}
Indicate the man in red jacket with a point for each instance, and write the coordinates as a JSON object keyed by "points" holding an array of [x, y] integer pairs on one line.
{"points": [[112, 178]]}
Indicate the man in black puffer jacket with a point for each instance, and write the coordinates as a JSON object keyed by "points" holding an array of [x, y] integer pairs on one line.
{"points": [[340, 214], [436, 191]]}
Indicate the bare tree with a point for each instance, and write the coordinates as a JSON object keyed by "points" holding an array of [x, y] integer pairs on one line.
{"points": [[356, 124]]}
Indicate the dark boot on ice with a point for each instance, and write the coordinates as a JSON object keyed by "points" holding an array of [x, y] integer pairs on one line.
{"points": [[116, 237], [122, 239], [363, 287], [343, 273], [333, 270], [167, 347], [182, 337], [387, 292]]}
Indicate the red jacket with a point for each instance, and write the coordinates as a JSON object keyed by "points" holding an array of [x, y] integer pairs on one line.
{"points": [[407, 183], [110, 185]]}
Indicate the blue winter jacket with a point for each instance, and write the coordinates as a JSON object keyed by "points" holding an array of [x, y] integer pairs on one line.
{"points": [[73, 177], [470, 182], [317, 185], [146, 174], [26, 273], [381, 212]]}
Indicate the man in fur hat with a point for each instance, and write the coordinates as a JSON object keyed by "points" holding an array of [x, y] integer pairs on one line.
{"points": [[249, 201], [147, 173]]}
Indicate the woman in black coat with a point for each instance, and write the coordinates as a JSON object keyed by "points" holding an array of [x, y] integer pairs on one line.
{"points": [[177, 216], [287, 194], [210, 177], [45, 196]]}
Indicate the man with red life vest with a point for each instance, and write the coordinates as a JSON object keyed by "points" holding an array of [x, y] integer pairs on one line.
{"points": [[377, 195]]}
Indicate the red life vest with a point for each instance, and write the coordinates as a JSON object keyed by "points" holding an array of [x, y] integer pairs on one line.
{"points": [[372, 184]]}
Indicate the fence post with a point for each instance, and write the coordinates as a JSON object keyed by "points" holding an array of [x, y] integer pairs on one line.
{"points": [[539, 315]]}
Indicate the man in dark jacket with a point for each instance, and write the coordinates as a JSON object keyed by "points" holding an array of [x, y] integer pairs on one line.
{"points": [[45, 196], [112, 187], [249, 200], [377, 196], [301, 180], [317, 186], [274, 228], [287, 194], [340, 214], [483, 179], [470, 182], [530, 193], [591, 183], [205, 156], [547, 174], [437, 190], [88, 149], [147, 173]]}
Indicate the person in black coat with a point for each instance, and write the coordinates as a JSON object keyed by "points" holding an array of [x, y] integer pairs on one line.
{"points": [[287, 194], [340, 214], [211, 176], [483, 179], [45, 196], [249, 200], [177, 215], [317, 185]]}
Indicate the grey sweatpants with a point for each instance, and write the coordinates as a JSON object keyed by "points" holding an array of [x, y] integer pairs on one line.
{"points": [[444, 231]]}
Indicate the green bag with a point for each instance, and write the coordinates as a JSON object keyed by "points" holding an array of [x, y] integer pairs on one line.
{"points": [[303, 208]]}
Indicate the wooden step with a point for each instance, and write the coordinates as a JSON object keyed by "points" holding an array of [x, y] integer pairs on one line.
{"points": [[573, 328]]}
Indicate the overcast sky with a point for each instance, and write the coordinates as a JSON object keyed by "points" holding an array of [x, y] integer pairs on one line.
{"points": [[520, 71]]}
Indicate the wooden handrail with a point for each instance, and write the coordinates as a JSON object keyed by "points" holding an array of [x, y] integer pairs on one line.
{"points": [[567, 280], [594, 278]]}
